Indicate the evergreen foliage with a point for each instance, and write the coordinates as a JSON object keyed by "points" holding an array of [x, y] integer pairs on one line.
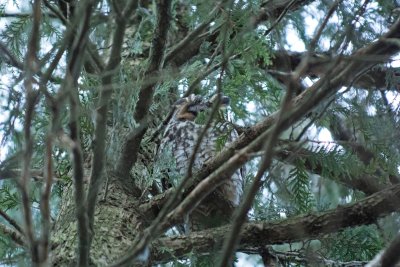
{"points": [[342, 149]]}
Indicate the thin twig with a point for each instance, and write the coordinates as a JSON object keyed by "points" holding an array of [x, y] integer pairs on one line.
{"points": [[318, 34], [11, 221], [23, 15]]}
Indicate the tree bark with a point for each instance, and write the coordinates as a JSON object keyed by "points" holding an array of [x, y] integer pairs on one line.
{"points": [[116, 223]]}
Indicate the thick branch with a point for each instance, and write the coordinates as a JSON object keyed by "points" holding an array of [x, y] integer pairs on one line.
{"points": [[283, 62], [295, 229], [268, 10]]}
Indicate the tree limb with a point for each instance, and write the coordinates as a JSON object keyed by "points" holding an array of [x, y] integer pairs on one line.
{"points": [[11, 221], [14, 235], [257, 234], [268, 10], [283, 62]]}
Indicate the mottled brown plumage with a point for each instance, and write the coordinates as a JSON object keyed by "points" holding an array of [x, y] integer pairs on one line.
{"points": [[176, 149]]}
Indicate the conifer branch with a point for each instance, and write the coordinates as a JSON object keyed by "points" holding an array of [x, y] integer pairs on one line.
{"points": [[295, 229]]}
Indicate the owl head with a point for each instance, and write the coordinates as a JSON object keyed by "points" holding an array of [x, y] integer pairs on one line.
{"points": [[188, 108]]}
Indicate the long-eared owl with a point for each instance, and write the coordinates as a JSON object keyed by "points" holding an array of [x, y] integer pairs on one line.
{"points": [[176, 149]]}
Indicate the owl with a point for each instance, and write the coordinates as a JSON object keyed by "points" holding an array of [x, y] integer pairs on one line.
{"points": [[176, 148]]}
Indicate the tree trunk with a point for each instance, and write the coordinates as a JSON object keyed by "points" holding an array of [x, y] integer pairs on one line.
{"points": [[116, 224]]}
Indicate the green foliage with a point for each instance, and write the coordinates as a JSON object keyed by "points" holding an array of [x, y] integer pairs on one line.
{"points": [[360, 243], [9, 198], [335, 162], [15, 34], [300, 189], [311, 182], [11, 255]]}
